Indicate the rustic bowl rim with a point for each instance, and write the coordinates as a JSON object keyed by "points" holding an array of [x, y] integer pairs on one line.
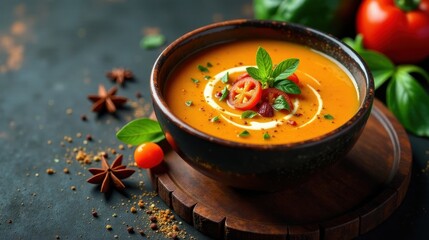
{"points": [[158, 98]]}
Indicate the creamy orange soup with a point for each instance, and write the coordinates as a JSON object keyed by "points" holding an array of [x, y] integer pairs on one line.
{"points": [[328, 98]]}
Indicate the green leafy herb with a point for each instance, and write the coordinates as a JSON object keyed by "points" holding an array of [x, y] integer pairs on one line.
{"points": [[188, 103], [248, 114], [225, 93], [328, 117], [266, 136], [194, 80], [408, 100], [202, 68], [405, 96], [274, 78], [209, 64], [225, 78], [281, 103], [287, 86], [152, 41], [244, 133], [140, 131], [215, 119], [207, 77]]}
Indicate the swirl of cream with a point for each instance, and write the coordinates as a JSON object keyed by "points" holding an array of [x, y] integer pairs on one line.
{"points": [[254, 125]]}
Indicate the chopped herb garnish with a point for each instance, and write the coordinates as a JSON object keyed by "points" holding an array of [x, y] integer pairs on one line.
{"points": [[209, 64], [248, 114], [244, 133], [152, 41], [202, 68], [266, 136], [194, 80], [225, 93], [207, 77], [328, 117], [188, 103], [281, 103], [225, 78], [215, 119]]}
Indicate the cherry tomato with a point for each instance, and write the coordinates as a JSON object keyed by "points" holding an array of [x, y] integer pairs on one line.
{"points": [[294, 78], [245, 93], [270, 94], [148, 155]]}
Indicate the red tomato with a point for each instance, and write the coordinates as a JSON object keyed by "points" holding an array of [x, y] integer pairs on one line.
{"points": [[245, 93], [402, 35], [148, 155], [294, 78], [270, 94]]}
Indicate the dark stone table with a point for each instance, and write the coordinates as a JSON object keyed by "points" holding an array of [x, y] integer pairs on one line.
{"points": [[55, 53]]}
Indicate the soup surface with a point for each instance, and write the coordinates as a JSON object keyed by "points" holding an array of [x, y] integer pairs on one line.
{"points": [[328, 98]]}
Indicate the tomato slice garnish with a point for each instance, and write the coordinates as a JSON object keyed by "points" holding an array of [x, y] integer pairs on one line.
{"points": [[245, 93], [294, 78], [270, 94]]}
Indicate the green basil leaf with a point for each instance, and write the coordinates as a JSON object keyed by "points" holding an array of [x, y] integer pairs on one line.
{"points": [[188, 103], [249, 114], [328, 117], [382, 68], [140, 131], [244, 133], [284, 69], [254, 73], [408, 101], [264, 63], [287, 86], [194, 80], [225, 78], [202, 68], [152, 41], [280, 103], [215, 119], [225, 93], [267, 136]]}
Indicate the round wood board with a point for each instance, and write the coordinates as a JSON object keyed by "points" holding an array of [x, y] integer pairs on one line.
{"points": [[343, 202]]}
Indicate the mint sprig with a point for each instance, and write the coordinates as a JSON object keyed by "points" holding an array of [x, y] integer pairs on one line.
{"points": [[276, 77], [405, 96]]}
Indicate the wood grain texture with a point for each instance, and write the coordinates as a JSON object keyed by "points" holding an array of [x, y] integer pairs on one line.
{"points": [[342, 202]]}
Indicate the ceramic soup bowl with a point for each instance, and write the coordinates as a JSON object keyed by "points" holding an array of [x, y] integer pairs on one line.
{"points": [[266, 166]]}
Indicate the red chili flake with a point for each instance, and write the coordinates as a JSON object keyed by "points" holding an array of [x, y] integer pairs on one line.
{"points": [[291, 122], [94, 213], [153, 226], [218, 94]]}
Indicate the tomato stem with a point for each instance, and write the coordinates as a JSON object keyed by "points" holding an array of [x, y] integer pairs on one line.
{"points": [[407, 5]]}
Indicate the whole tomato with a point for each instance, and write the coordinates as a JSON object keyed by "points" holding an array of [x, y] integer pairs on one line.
{"points": [[397, 28]]}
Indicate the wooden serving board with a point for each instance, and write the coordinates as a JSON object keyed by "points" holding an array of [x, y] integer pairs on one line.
{"points": [[343, 202]]}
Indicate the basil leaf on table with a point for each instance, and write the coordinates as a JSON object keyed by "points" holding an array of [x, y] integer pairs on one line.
{"points": [[409, 101], [140, 131]]}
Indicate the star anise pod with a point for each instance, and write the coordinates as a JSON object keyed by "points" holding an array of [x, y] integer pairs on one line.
{"points": [[106, 100], [120, 75], [109, 175]]}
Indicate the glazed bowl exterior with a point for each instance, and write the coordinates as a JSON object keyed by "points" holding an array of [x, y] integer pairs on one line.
{"points": [[255, 166]]}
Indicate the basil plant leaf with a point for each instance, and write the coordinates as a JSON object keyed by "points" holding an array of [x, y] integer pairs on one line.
{"points": [[264, 63], [140, 131], [382, 68], [284, 69], [287, 86], [254, 73], [280, 103], [408, 101]]}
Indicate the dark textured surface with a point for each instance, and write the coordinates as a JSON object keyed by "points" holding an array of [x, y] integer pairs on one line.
{"points": [[52, 55]]}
